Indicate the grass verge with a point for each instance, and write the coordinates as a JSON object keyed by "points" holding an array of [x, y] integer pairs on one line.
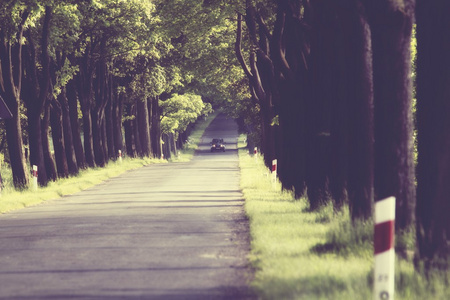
{"points": [[12, 199], [298, 254]]}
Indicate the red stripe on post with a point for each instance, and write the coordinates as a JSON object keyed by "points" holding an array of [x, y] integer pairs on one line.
{"points": [[384, 236]]}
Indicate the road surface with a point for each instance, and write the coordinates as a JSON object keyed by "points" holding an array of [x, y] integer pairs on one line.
{"points": [[167, 231]]}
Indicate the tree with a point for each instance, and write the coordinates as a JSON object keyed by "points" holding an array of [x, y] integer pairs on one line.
{"points": [[391, 26], [13, 18], [433, 108], [260, 74], [351, 172], [37, 92]]}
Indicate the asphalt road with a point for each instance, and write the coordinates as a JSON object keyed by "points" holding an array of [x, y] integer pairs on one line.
{"points": [[168, 231]]}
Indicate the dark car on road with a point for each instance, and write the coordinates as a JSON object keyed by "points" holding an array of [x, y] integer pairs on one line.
{"points": [[217, 144]]}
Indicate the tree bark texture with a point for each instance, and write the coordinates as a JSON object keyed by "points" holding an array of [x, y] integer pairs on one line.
{"points": [[319, 99], [67, 133], [56, 122], [85, 78], [10, 92], [88, 137], [117, 111], [155, 129], [50, 166], [98, 113], [109, 122], [433, 110], [74, 124], [391, 27], [259, 72], [352, 118], [129, 131], [136, 129], [144, 130], [30, 96], [166, 146]]}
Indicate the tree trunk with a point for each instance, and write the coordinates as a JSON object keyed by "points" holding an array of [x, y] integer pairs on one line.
{"points": [[155, 130], [45, 77], [98, 113], [117, 123], [15, 148], [356, 79], [88, 137], [109, 123], [260, 76], [136, 129], [289, 52], [143, 123], [74, 124], [173, 144], [97, 138], [68, 136], [59, 148], [85, 78], [318, 103], [129, 131], [30, 96], [433, 110], [36, 150], [165, 145], [50, 167], [10, 91], [391, 25]]}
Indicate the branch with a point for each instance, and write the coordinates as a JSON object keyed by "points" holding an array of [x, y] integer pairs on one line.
{"points": [[256, 79], [238, 49], [263, 25], [278, 34], [45, 81], [18, 79], [253, 93]]}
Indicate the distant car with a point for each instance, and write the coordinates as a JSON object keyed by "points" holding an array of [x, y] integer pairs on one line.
{"points": [[217, 144]]}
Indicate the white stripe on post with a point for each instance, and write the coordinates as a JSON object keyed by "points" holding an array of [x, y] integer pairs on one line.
{"points": [[35, 177], [384, 249], [120, 156]]}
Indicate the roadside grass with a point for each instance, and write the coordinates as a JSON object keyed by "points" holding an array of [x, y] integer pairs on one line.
{"points": [[12, 199], [298, 254]]}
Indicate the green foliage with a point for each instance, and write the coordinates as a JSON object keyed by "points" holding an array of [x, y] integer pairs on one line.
{"points": [[181, 110], [203, 36]]}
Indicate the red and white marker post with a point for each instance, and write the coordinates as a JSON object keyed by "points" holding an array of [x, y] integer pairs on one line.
{"points": [[384, 249], [35, 177], [120, 156], [274, 170]]}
